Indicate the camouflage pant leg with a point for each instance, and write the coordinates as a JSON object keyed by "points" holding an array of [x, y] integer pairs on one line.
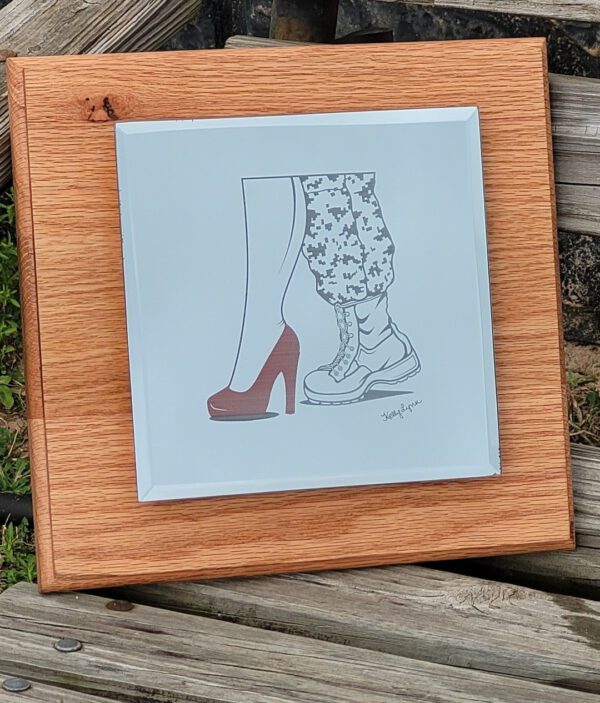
{"points": [[331, 244], [372, 231], [347, 244]]}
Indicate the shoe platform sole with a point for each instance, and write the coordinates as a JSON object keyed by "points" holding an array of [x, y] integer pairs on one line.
{"points": [[315, 400]]}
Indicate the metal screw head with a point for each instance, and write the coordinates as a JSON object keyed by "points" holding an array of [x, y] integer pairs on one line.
{"points": [[67, 645], [16, 685], [121, 606]]}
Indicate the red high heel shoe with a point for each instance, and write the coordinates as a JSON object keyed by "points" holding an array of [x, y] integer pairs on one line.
{"points": [[255, 401]]}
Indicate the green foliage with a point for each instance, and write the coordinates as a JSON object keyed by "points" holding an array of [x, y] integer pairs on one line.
{"points": [[17, 557], [11, 373], [14, 464]]}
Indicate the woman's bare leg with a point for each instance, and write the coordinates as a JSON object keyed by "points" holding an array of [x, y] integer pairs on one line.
{"points": [[275, 217]]}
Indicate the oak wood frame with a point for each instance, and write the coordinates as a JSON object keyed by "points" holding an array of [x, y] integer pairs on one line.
{"points": [[91, 530]]}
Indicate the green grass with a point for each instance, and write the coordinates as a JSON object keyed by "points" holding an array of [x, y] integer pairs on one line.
{"points": [[17, 555], [17, 558], [14, 463], [11, 369]]}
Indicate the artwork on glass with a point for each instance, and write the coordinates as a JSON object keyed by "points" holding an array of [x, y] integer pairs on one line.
{"points": [[307, 301]]}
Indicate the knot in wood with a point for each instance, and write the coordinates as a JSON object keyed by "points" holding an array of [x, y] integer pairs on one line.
{"points": [[488, 595], [6, 54], [101, 109]]}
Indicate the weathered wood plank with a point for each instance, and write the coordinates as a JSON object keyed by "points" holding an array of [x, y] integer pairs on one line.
{"points": [[148, 654], [240, 41], [586, 492], [586, 10], [574, 573], [576, 129], [43, 27], [40, 693], [578, 208], [411, 611]]}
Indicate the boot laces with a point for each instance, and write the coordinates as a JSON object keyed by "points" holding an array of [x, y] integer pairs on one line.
{"points": [[344, 354]]}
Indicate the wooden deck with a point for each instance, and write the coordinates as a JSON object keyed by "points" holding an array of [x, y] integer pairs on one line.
{"points": [[406, 633]]}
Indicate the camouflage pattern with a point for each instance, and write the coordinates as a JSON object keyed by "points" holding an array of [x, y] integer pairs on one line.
{"points": [[347, 244]]}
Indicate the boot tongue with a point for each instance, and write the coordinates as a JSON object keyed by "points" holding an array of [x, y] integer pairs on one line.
{"points": [[347, 327], [343, 332]]}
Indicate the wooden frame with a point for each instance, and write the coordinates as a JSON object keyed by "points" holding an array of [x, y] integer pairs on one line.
{"points": [[91, 530]]}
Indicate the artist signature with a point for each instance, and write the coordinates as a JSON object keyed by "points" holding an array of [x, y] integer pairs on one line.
{"points": [[401, 412]]}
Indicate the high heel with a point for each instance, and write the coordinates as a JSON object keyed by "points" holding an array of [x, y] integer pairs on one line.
{"points": [[255, 401]]}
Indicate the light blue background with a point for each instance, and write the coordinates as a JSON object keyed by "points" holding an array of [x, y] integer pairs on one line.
{"points": [[184, 254]]}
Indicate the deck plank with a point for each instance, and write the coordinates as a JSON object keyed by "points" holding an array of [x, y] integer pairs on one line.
{"points": [[417, 612], [578, 208], [576, 129], [586, 494], [576, 140], [149, 654], [40, 693], [583, 10]]}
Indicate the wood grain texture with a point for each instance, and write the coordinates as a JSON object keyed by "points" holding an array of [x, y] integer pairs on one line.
{"points": [[243, 41], [579, 208], [576, 130], [151, 655], [41, 27], [106, 536], [586, 489], [576, 138], [585, 10], [421, 613]]}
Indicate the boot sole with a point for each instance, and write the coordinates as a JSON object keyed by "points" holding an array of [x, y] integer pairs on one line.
{"points": [[369, 387]]}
